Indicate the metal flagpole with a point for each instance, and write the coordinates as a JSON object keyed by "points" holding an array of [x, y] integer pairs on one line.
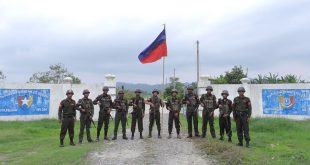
{"points": [[163, 85], [163, 88], [174, 78], [197, 66]]}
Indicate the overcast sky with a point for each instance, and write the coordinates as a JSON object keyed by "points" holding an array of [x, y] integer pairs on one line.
{"points": [[93, 38]]}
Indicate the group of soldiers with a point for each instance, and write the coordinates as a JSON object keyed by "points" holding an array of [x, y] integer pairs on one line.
{"points": [[240, 107]]}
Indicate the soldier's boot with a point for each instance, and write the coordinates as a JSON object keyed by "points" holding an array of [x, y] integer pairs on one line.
{"points": [[189, 136], [221, 138], [132, 136], [106, 135], [240, 142], [125, 137], [90, 140], [197, 135], [141, 137], [61, 143], [178, 136], [247, 144], [150, 133], [159, 136], [213, 135], [98, 134], [229, 139], [203, 135], [115, 136], [169, 137], [72, 142]]}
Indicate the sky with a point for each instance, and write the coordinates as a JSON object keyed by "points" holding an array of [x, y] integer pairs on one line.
{"points": [[97, 37]]}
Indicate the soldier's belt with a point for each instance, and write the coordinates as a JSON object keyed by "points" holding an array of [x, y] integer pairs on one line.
{"points": [[68, 116]]}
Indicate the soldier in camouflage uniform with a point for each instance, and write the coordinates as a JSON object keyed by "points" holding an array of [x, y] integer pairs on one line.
{"points": [[192, 102], [105, 103], [208, 102], [137, 114], [121, 108], [242, 111], [155, 103], [66, 116], [225, 108], [86, 108], [174, 106]]}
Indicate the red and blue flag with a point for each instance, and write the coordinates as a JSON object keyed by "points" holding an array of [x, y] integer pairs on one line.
{"points": [[156, 50]]}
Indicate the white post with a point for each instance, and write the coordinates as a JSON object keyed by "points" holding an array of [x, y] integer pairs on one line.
{"points": [[202, 84], [110, 82]]}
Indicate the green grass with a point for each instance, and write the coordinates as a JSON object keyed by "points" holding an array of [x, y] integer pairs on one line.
{"points": [[273, 141], [37, 142]]}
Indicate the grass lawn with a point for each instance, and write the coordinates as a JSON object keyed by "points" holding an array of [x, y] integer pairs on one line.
{"points": [[273, 141], [37, 142]]}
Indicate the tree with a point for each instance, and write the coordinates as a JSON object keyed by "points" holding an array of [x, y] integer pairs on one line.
{"points": [[231, 77], [178, 86], [55, 75], [274, 79], [2, 76]]}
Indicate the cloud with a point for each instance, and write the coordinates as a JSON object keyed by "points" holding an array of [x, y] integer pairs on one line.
{"points": [[100, 37]]}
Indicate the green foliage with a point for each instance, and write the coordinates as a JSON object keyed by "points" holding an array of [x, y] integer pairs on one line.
{"points": [[2, 76], [55, 75], [276, 79], [178, 86], [231, 77]]}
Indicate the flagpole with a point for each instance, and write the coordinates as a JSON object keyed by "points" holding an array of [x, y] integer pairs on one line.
{"points": [[163, 88], [197, 66], [163, 84]]}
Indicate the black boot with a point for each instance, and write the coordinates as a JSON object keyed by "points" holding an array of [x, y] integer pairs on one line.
{"points": [[150, 134], [229, 139], [190, 136], [132, 136], [169, 137], [159, 136], [240, 143], [221, 138], [203, 136], [115, 136], [61, 143], [141, 137], [72, 142], [247, 144]]}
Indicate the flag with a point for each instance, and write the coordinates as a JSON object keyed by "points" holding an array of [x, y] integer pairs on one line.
{"points": [[156, 50]]}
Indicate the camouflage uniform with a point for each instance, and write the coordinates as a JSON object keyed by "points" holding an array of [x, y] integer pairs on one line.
{"points": [[105, 105], [67, 114], [137, 114], [192, 102], [155, 113], [174, 107], [209, 105], [225, 122], [121, 108], [242, 111], [85, 104]]}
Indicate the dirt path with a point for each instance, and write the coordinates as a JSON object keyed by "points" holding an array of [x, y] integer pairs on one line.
{"points": [[149, 150]]}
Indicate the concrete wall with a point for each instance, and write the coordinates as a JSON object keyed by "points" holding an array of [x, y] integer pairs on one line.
{"points": [[58, 93], [254, 91]]}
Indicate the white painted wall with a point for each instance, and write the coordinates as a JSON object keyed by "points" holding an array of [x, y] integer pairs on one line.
{"points": [[254, 91]]}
